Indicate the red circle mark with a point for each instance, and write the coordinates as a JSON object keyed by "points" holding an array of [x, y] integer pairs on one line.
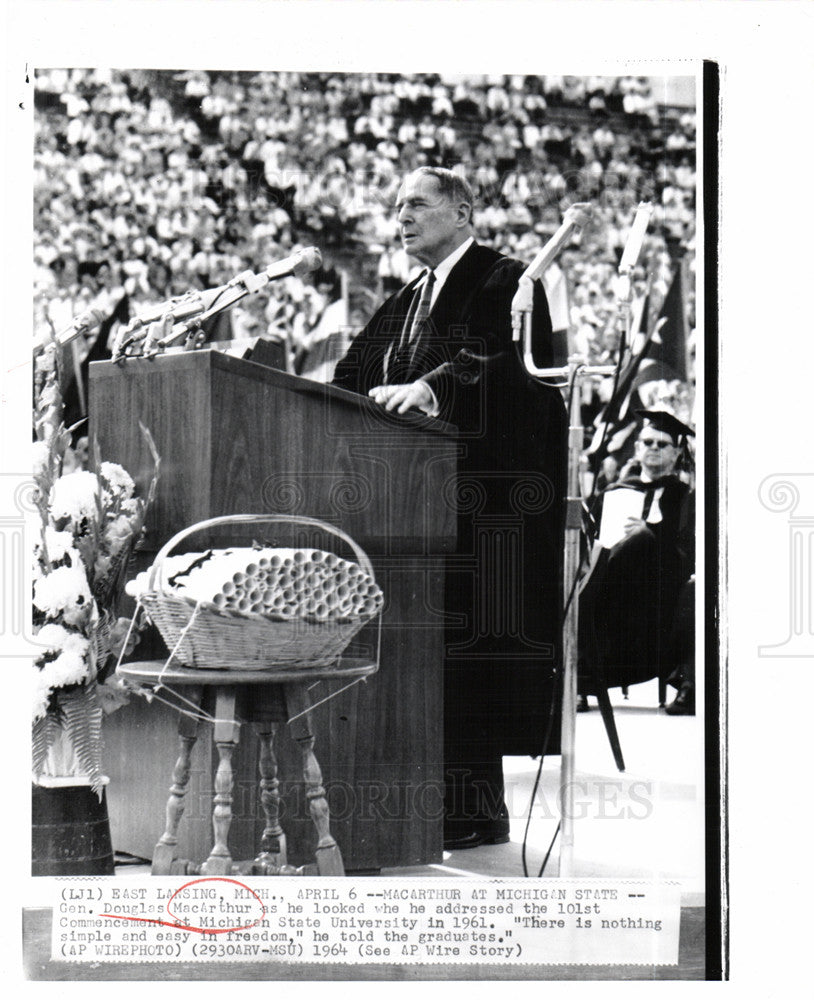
{"points": [[189, 927]]}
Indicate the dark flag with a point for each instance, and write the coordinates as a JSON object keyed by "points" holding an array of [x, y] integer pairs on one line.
{"points": [[611, 419], [662, 356], [75, 395], [666, 352]]}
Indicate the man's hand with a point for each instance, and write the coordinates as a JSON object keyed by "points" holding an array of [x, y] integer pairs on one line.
{"points": [[403, 397], [634, 524]]}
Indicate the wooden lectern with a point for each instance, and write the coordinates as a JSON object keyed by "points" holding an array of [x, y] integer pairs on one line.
{"points": [[237, 437]]}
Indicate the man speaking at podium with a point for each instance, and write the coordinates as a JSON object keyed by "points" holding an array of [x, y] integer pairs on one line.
{"points": [[443, 345]]}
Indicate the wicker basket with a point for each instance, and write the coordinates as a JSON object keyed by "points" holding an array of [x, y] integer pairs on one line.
{"points": [[203, 636]]}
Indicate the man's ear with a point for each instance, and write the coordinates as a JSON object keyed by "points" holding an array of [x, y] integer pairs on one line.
{"points": [[464, 216]]}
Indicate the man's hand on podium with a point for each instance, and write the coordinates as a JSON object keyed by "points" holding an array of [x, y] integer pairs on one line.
{"points": [[405, 397]]}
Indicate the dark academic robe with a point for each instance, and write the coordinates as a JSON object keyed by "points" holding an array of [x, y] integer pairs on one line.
{"points": [[505, 579], [630, 599]]}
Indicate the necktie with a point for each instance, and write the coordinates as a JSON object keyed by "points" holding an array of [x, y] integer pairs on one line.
{"points": [[422, 311], [414, 323]]}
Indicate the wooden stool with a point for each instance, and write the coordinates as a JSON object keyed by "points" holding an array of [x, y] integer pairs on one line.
{"points": [[270, 699]]}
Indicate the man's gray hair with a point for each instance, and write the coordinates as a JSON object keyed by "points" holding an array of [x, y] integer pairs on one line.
{"points": [[453, 187]]}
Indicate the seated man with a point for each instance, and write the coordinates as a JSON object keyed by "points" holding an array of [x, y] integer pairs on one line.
{"points": [[629, 601]]}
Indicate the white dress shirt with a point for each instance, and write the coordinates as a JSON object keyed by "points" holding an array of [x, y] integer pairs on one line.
{"points": [[442, 270]]}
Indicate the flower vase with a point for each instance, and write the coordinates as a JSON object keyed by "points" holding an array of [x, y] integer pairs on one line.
{"points": [[70, 827]]}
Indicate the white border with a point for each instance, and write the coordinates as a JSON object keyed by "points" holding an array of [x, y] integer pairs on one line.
{"points": [[765, 321]]}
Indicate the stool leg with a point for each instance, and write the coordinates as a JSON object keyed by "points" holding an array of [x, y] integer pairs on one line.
{"points": [[273, 841], [328, 855], [164, 853], [227, 735]]}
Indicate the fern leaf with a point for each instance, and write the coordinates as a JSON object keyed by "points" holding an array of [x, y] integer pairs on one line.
{"points": [[43, 734], [82, 713]]}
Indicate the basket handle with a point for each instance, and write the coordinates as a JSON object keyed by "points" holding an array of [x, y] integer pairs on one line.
{"points": [[158, 562]]}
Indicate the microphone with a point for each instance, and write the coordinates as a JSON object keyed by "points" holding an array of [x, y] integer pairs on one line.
{"points": [[194, 303], [575, 217], [299, 263], [182, 307], [196, 306], [635, 237], [217, 299], [83, 323]]}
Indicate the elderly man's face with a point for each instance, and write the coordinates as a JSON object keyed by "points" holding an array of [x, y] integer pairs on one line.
{"points": [[656, 452], [430, 225]]}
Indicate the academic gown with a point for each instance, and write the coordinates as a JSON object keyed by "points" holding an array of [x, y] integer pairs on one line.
{"points": [[630, 598], [504, 581]]}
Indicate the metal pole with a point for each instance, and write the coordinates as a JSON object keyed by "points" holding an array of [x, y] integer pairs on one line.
{"points": [[576, 371], [573, 523]]}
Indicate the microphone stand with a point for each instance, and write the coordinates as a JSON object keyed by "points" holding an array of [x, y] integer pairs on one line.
{"points": [[238, 288], [187, 313], [575, 371], [181, 318]]}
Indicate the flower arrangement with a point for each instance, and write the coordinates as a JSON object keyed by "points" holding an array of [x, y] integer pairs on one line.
{"points": [[91, 522]]}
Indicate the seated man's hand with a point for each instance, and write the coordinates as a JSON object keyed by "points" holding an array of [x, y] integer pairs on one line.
{"points": [[634, 524], [404, 397]]}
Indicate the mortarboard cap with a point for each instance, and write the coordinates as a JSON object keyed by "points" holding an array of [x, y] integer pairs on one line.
{"points": [[667, 423]]}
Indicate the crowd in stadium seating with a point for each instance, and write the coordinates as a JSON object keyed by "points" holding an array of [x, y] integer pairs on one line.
{"points": [[156, 183]]}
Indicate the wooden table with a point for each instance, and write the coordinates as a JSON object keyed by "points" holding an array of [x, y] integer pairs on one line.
{"points": [[267, 699]]}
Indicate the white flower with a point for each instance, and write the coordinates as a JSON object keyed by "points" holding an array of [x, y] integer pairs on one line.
{"points": [[58, 544], [76, 643], [121, 631], [101, 566], [113, 694], [53, 636], [75, 496], [116, 480], [78, 614], [40, 458], [41, 689], [71, 666], [138, 585], [131, 507], [65, 590], [117, 533]]}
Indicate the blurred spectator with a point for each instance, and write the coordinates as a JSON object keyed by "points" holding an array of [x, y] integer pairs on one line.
{"points": [[147, 184]]}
